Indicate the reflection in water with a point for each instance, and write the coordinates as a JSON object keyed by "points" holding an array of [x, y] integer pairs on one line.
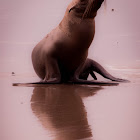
{"points": [[60, 109]]}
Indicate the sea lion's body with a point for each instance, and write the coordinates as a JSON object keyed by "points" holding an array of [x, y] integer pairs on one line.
{"points": [[67, 51], [61, 55]]}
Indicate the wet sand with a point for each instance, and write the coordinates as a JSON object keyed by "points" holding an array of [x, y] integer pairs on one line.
{"points": [[70, 112]]}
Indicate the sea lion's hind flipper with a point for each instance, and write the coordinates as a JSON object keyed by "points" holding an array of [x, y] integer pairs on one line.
{"points": [[93, 75], [100, 70]]}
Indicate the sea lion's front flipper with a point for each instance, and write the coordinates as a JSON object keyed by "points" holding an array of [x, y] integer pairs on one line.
{"points": [[52, 71]]}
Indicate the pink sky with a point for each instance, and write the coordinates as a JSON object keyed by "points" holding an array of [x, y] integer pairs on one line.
{"points": [[25, 23]]}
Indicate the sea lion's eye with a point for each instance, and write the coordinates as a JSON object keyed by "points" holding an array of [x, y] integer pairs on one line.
{"points": [[71, 9]]}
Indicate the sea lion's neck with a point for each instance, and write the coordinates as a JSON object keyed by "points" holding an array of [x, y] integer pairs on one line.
{"points": [[77, 13]]}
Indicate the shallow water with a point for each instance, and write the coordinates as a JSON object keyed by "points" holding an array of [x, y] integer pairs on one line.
{"points": [[70, 112]]}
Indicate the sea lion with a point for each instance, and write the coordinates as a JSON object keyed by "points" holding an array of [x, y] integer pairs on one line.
{"points": [[61, 56]]}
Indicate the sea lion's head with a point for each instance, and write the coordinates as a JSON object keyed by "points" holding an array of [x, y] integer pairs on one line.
{"points": [[86, 8]]}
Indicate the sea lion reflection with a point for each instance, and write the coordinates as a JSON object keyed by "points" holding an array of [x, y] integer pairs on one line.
{"points": [[61, 110]]}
